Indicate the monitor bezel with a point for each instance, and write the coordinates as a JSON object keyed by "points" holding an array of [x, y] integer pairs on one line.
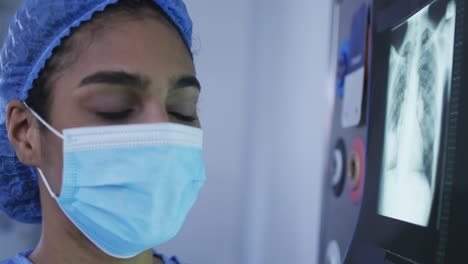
{"points": [[409, 241]]}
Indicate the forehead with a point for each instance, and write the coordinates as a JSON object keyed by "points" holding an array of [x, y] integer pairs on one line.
{"points": [[145, 45]]}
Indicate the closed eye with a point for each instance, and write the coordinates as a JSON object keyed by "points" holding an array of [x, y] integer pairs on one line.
{"points": [[184, 118]]}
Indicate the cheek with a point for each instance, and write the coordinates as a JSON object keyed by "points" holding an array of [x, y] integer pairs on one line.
{"points": [[52, 160]]}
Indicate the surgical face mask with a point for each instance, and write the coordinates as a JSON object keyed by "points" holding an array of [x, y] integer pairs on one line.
{"points": [[129, 188]]}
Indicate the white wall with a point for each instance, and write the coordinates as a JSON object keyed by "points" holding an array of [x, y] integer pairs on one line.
{"points": [[290, 125], [213, 232], [264, 110]]}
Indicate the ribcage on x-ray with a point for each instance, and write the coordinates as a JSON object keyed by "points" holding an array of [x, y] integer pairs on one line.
{"points": [[399, 87], [427, 69], [416, 67], [419, 79], [401, 64]]}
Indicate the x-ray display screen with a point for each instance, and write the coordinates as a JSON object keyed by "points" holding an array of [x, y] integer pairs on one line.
{"points": [[419, 78]]}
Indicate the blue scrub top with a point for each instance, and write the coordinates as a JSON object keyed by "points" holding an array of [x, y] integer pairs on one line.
{"points": [[22, 258]]}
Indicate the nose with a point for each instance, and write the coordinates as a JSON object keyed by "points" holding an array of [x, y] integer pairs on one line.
{"points": [[155, 112]]}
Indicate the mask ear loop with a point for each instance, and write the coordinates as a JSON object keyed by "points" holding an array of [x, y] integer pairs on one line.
{"points": [[43, 122], [46, 183]]}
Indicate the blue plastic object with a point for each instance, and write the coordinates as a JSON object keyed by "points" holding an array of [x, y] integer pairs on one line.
{"points": [[343, 68]]}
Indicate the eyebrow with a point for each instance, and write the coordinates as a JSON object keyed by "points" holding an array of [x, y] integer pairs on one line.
{"points": [[116, 78], [186, 81]]}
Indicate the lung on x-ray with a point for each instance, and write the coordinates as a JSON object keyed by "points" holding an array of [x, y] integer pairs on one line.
{"points": [[420, 67]]}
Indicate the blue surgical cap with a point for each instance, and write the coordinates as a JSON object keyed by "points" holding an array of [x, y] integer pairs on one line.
{"points": [[37, 28]]}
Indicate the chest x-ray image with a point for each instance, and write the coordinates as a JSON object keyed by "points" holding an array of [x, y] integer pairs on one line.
{"points": [[420, 67]]}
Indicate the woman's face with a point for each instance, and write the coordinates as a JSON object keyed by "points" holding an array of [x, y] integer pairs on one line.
{"points": [[131, 72]]}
